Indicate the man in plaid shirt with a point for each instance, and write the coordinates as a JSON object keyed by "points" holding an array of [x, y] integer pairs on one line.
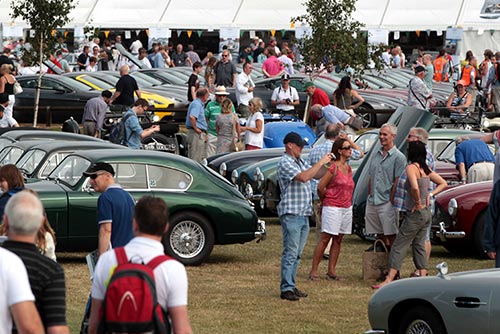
{"points": [[331, 134], [294, 209], [416, 134]]}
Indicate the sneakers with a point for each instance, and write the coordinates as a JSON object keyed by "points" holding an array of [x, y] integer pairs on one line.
{"points": [[289, 295], [299, 293]]}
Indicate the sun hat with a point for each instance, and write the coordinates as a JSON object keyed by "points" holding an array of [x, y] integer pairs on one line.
{"points": [[221, 90]]}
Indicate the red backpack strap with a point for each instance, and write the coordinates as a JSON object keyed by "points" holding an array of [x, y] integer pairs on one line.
{"points": [[121, 255], [157, 261]]}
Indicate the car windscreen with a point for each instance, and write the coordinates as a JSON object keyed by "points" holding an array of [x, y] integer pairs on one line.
{"points": [[97, 82], [30, 160], [10, 155], [70, 170]]}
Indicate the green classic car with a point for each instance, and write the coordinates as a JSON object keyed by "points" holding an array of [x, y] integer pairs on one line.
{"points": [[204, 208]]}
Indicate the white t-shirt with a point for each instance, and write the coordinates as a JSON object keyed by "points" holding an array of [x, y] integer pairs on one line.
{"points": [[280, 94], [252, 138], [14, 287], [170, 276], [135, 46]]}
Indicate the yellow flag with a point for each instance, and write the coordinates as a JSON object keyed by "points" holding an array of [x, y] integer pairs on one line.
{"points": [[147, 32], [53, 32], [189, 32], [106, 33], [292, 24], [418, 33], [273, 32]]}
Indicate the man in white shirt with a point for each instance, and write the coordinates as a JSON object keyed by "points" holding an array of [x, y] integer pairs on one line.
{"points": [[150, 223], [285, 97], [17, 302], [135, 46], [287, 62], [244, 89]]}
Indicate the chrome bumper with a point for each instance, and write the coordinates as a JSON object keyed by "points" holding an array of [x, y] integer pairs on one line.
{"points": [[260, 234], [375, 331], [443, 235]]}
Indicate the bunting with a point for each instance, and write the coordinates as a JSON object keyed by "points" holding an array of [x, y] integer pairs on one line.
{"points": [[273, 32], [106, 33], [199, 32], [189, 33]]}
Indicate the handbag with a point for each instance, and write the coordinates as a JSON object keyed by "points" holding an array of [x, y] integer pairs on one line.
{"points": [[17, 88], [355, 122], [375, 263]]}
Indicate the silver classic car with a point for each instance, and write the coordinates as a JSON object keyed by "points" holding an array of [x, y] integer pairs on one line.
{"points": [[459, 303]]}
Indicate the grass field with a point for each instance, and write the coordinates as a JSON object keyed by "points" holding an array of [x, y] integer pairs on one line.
{"points": [[237, 290]]}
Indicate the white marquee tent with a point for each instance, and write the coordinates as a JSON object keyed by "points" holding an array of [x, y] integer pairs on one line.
{"points": [[391, 15]]}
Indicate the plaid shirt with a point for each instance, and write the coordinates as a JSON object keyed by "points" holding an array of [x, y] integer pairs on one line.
{"points": [[400, 194], [319, 152], [296, 196]]}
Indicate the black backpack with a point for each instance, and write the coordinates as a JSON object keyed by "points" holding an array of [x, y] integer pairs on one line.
{"points": [[117, 131]]}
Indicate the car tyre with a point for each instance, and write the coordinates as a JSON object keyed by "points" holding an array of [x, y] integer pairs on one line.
{"points": [[190, 238], [421, 319], [369, 118], [159, 142]]}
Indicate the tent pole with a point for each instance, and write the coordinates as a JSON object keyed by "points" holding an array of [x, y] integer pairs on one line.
{"points": [[385, 12], [164, 11], [237, 11], [91, 11], [460, 13]]}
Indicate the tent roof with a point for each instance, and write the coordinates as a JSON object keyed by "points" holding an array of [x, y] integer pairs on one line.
{"points": [[394, 15]]}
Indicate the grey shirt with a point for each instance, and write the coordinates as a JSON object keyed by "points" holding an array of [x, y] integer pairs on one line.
{"points": [[95, 110], [383, 173]]}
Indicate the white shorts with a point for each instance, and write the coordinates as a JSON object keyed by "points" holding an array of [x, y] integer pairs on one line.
{"points": [[381, 219], [336, 221]]}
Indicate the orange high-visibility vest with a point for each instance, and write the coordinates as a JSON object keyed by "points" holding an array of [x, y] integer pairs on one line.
{"points": [[439, 65], [466, 74]]}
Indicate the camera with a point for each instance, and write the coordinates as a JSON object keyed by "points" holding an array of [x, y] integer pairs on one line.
{"points": [[288, 101]]}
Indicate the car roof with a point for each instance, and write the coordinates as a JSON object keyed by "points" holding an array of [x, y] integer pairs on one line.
{"points": [[55, 145], [47, 134], [125, 154]]}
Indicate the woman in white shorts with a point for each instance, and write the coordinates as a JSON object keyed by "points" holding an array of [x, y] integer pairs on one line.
{"points": [[335, 192]]}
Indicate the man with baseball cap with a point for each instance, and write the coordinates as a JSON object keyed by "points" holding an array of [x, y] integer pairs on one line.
{"points": [[294, 209], [212, 110], [285, 97], [115, 207], [419, 94]]}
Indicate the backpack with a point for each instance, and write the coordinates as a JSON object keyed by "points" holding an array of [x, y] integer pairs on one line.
{"points": [[117, 131], [130, 304]]}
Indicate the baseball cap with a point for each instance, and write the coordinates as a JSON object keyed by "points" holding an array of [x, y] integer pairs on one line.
{"points": [[285, 76], [461, 82], [309, 84], [99, 167], [419, 69], [294, 137]]}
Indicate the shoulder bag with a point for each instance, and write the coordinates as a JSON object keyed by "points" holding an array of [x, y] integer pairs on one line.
{"points": [[17, 88]]}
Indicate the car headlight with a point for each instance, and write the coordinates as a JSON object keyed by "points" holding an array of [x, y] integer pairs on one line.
{"points": [[248, 191], [223, 169], [234, 176], [157, 104], [442, 269], [259, 177], [486, 123], [452, 207], [204, 162]]}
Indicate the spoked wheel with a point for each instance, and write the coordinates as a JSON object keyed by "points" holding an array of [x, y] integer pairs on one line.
{"points": [[190, 239], [421, 320], [159, 142], [369, 118]]}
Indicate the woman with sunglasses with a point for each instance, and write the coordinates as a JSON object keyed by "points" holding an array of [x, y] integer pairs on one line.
{"points": [[413, 229], [335, 192]]}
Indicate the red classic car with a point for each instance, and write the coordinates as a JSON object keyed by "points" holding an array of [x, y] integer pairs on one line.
{"points": [[459, 217]]}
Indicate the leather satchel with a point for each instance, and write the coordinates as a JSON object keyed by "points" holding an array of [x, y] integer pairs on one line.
{"points": [[355, 122]]}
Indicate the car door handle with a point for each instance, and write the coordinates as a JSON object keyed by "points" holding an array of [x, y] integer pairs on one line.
{"points": [[468, 302]]}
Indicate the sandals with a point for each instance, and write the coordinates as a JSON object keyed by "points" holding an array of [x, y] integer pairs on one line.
{"points": [[313, 278], [330, 277]]}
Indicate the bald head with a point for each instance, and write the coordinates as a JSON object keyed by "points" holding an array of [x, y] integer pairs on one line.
{"points": [[124, 70]]}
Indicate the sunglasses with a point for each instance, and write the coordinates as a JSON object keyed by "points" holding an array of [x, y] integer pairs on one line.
{"points": [[346, 147], [94, 176], [225, 56]]}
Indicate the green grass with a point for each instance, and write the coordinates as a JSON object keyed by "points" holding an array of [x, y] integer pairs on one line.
{"points": [[237, 290]]}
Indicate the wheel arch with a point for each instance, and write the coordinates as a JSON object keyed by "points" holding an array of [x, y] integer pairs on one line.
{"points": [[200, 212], [399, 309]]}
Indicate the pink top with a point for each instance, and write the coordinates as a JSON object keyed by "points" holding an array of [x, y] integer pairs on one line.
{"points": [[272, 65], [339, 190]]}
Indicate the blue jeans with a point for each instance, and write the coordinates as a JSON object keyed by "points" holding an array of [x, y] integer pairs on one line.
{"points": [[295, 232]]}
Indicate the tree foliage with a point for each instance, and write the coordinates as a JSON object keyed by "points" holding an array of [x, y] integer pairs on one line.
{"points": [[337, 39], [44, 17]]}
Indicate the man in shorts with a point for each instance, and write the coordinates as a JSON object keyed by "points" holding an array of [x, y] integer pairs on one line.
{"points": [[385, 168]]}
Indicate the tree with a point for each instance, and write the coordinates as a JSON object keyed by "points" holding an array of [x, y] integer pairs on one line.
{"points": [[336, 39], [44, 17]]}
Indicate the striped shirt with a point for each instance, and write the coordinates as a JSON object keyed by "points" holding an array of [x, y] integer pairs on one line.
{"points": [[46, 280]]}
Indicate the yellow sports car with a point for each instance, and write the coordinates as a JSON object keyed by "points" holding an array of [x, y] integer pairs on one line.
{"points": [[160, 103]]}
